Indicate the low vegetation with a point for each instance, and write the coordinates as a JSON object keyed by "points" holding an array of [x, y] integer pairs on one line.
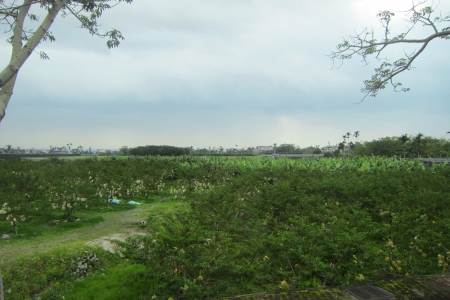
{"points": [[158, 150], [232, 226]]}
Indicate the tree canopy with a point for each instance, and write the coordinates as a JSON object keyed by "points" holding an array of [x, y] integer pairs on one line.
{"points": [[367, 44], [15, 14], [158, 150], [411, 146]]}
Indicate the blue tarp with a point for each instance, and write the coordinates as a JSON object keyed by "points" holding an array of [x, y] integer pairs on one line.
{"points": [[117, 201], [134, 203]]}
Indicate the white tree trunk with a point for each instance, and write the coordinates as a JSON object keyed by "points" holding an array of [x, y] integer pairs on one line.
{"points": [[22, 55], [5, 94], [7, 90]]}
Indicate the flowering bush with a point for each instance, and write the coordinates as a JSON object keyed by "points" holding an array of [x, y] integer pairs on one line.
{"points": [[257, 225], [300, 229]]}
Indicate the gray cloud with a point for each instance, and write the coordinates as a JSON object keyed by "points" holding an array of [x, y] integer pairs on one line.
{"points": [[218, 73]]}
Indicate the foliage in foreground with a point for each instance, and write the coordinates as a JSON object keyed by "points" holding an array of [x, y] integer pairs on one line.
{"points": [[48, 275], [256, 225], [36, 190], [51, 275], [265, 230]]}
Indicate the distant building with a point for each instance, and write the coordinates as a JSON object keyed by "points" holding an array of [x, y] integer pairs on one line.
{"points": [[329, 148], [263, 149]]}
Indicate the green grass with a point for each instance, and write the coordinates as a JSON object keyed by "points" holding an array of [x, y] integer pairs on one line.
{"points": [[121, 281], [51, 223], [166, 209], [40, 232], [49, 273], [169, 206]]}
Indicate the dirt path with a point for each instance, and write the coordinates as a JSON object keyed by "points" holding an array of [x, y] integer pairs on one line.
{"points": [[116, 224]]}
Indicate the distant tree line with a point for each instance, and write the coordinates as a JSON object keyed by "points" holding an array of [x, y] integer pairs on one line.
{"points": [[66, 149], [221, 151], [408, 146], [159, 150], [291, 148], [10, 149]]}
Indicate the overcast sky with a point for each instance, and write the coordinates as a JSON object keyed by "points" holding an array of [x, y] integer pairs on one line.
{"points": [[221, 73]]}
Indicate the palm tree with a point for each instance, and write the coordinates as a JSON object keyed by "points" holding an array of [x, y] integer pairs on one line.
{"points": [[404, 138], [344, 143], [418, 141], [341, 146], [356, 134], [348, 147]]}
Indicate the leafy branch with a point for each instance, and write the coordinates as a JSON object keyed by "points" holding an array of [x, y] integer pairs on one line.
{"points": [[24, 41], [89, 21], [365, 45]]}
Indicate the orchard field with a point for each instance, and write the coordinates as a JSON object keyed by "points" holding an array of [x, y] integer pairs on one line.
{"points": [[233, 226]]}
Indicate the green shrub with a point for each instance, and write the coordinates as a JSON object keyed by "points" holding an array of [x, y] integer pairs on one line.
{"points": [[305, 228], [47, 275]]}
